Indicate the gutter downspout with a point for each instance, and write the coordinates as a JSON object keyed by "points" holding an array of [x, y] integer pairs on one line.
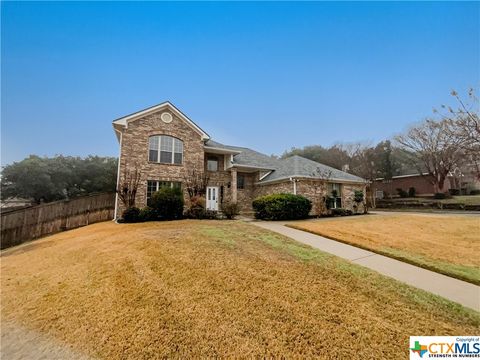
{"points": [[118, 175], [294, 185]]}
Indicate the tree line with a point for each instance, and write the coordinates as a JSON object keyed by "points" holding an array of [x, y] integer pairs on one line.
{"points": [[45, 179], [436, 147]]}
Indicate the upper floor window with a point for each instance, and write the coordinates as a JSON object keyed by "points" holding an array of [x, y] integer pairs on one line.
{"points": [[165, 149], [212, 163], [240, 181]]}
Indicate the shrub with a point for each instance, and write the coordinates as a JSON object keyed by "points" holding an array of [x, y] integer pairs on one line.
{"points": [[281, 207], [197, 201], [210, 214], [147, 214], [440, 196], [358, 196], [167, 203], [475, 192], [412, 192], [131, 215], [454, 191], [200, 213], [402, 193], [230, 210], [341, 212], [195, 213], [197, 208]]}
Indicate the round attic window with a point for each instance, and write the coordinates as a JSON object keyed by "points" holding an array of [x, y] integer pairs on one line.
{"points": [[166, 117]]}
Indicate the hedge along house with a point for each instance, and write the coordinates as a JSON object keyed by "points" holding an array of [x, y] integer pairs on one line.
{"points": [[164, 146]]}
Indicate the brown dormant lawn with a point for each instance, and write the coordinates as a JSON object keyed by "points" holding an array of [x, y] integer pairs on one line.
{"points": [[446, 244], [191, 289]]}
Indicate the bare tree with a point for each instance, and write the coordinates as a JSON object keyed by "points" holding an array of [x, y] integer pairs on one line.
{"points": [[196, 182], [365, 164], [127, 187], [434, 145], [465, 125]]}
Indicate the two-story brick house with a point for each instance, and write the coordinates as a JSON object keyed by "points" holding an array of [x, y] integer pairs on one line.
{"points": [[163, 144]]}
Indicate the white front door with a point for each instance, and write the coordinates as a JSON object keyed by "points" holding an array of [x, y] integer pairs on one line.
{"points": [[212, 198]]}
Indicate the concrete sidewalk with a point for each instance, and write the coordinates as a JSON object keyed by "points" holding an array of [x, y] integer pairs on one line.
{"points": [[455, 290]]}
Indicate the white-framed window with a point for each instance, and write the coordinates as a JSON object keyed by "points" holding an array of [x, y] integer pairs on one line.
{"points": [[165, 149], [335, 193], [212, 163], [240, 181], [155, 185]]}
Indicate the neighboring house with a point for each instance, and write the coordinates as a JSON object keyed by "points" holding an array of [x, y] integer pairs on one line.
{"points": [[164, 144], [388, 187], [463, 181]]}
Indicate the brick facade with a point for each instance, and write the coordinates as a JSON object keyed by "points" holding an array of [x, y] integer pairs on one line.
{"points": [[246, 195], [134, 155], [421, 184], [314, 191], [134, 152]]}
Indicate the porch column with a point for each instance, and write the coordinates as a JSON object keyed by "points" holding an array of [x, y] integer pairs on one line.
{"points": [[233, 185]]}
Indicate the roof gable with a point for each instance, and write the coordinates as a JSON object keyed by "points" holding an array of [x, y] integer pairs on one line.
{"points": [[123, 121]]}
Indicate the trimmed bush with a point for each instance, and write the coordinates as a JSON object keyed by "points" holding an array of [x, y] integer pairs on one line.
{"points": [[475, 192], [210, 214], [131, 215], [201, 213], [230, 210], [167, 203], [453, 192], [341, 212], [440, 196], [402, 193], [147, 214], [358, 196], [281, 207], [197, 201], [412, 192], [197, 208]]}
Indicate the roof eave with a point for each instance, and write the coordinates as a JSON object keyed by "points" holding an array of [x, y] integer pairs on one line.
{"points": [[287, 178], [216, 150], [252, 167]]}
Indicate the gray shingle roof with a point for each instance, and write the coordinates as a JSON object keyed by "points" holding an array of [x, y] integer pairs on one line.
{"points": [[297, 166], [247, 157], [294, 166]]}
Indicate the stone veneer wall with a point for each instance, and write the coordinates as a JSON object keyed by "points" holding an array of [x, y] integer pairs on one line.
{"points": [[312, 191], [276, 188], [245, 196], [348, 192], [134, 151]]}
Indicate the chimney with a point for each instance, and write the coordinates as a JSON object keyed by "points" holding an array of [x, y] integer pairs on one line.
{"points": [[345, 168]]}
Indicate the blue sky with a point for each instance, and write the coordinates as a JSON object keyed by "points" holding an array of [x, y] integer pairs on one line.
{"points": [[264, 75]]}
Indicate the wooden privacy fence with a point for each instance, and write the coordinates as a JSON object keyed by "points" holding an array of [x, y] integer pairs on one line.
{"points": [[33, 222]]}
